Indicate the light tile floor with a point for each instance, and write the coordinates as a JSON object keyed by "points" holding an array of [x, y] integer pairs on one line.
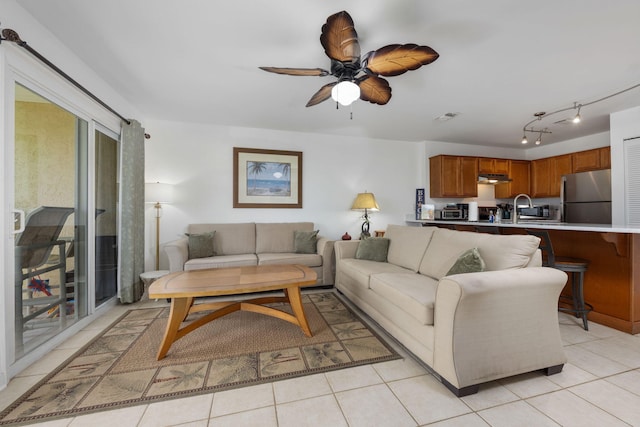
{"points": [[600, 386]]}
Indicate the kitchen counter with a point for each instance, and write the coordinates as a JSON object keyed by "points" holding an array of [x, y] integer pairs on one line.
{"points": [[541, 224], [612, 281]]}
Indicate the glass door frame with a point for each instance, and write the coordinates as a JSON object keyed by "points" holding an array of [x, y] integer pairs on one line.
{"points": [[17, 67]]}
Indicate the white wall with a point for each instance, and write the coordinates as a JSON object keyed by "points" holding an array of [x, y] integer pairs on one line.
{"points": [[624, 124], [198, 160]]}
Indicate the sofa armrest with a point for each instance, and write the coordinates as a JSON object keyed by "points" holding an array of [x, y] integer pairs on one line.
{"points": [[497, 323], [178, 253], [325, 249], [345, 248]]}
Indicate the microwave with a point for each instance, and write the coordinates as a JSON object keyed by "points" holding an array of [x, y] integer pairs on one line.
{"points": [[536, 212], [452, 214]]}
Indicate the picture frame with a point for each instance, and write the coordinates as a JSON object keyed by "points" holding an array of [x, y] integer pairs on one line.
{"points": [[267, 178]]}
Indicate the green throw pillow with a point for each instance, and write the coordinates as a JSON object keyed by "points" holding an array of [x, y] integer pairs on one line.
{"points": [[201, 245], [373, 249], [469, 262], [305, 242]]}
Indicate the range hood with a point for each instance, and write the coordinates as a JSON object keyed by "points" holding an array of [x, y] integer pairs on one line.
{"points": [[493, 178]]}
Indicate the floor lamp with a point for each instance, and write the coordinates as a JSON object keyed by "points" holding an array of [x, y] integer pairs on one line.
{"points": [[366, 201], [157, 193]]}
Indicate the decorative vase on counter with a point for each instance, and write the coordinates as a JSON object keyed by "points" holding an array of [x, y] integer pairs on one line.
{"points": [[346, 236]]}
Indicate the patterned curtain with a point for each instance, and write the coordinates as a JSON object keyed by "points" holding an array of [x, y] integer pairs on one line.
{"points": [[130, 287]]}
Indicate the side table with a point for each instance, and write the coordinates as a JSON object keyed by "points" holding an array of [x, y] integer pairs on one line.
{"points": [[148, 277]]}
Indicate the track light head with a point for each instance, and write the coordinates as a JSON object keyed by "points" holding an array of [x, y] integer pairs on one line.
{"points": [[577, 118]]}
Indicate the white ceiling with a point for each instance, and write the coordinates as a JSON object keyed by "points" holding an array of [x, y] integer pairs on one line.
{"points": [[500, 62]]}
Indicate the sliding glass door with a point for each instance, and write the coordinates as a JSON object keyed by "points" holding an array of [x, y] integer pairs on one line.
{"points": [[107, 171], [50, 203]]}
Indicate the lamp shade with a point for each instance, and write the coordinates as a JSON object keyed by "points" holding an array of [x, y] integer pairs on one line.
{"points": [[156, 192], [365, 201]]}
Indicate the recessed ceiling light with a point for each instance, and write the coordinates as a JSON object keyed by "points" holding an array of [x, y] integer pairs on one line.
{"points": [[446, 116]]}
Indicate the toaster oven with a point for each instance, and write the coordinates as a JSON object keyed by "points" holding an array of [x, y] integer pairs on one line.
{"points": [[452, 214]]}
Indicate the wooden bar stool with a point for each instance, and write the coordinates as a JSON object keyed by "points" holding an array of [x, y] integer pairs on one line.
{"points": [[576, 267]]}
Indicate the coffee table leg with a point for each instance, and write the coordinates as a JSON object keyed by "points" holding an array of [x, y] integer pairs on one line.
{"points": [[295, 300], [179, 310]]}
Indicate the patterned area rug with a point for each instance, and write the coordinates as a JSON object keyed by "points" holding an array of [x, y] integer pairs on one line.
{"points": [[119, 367]]}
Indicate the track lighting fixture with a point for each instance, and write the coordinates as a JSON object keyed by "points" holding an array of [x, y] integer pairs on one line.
{"points": [[576, 119], [539, 140]]}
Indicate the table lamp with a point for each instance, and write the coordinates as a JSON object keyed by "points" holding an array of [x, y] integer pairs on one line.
{"points": [[158, 193], [366, 201]]}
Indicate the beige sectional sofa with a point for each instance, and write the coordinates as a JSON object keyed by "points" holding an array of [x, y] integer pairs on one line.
{"points": [[242, 244], [469, 328]]}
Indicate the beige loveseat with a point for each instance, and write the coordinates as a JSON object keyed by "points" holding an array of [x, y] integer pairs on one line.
{"points": [[469, 328], [242, 244]]}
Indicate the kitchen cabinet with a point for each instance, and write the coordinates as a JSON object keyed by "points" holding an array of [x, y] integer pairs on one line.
{"points": [[605, 158], [519, 172], [591, 160], [546, 175], [488, 165], [453, 176]]}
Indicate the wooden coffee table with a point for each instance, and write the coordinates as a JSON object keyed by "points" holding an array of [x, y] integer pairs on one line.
{"points": [[182, 287]]}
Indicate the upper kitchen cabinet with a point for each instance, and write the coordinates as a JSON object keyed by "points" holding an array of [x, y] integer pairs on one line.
{"points": [[590, 160], [519, 172], [546, 175], [488, 165], [453, 176]]}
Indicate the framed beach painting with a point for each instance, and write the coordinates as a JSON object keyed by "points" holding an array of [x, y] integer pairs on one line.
{"points": [[267, 178]]}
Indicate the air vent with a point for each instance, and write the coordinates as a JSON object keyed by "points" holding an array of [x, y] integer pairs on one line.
{"points": [[446, 116]]}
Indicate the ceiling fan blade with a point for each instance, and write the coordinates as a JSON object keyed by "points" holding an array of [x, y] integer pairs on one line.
{"points": [[339, 38], [374, 89], [322, 95], [297, 71], [396, 59]]}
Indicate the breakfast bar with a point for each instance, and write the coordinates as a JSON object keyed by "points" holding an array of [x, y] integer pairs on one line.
{"points": [[612, 282]]}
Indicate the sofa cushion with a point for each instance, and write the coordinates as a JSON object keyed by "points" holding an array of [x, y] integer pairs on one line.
{"points": [[305, 242], [310, 260], [201, 245], [278, 237], [413, 293], [444, 249], [373, 249], [221, 261], [469, 262], [230, 239], [502, 252], [499, 252], [359, 270], [407, 245]]}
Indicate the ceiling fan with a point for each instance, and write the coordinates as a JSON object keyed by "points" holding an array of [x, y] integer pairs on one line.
{"points": [[356, 77]]}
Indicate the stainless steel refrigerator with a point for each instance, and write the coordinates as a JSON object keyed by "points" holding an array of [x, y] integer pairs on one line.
{"points": [[586, 197]]}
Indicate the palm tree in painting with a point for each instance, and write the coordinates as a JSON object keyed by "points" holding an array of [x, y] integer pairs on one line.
{"points": [[286, 168], [256, 168]]}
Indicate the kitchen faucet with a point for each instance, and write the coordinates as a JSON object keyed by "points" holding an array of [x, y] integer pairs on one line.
{"points": [[515, 206]]}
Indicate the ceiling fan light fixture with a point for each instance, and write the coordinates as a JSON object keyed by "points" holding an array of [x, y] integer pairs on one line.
{"points": [[345, 92], [524, 139]]}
